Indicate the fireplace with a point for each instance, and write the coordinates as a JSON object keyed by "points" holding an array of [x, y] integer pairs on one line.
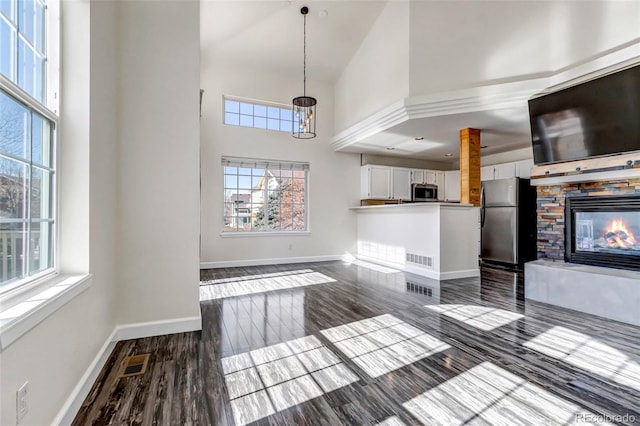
{"points": [[603, 231]]}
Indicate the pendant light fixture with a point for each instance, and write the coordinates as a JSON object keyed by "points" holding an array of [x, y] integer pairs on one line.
{"points": [[304, 107]]}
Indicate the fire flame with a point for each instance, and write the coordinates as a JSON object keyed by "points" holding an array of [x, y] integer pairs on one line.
{"points": [[621, 237]]}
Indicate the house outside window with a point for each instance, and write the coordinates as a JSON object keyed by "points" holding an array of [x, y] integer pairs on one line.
{"points": [[27, 144], [264, 196]]}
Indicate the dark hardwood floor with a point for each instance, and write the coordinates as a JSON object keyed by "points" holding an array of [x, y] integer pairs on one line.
{"points": [[334, 343]]}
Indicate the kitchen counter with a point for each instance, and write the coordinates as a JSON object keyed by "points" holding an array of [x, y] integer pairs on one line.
{"points": [[438, 240]]}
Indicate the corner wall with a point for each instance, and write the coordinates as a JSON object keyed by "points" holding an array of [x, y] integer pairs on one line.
{"points": [[378, 73], [54, 355], [159, 179]]}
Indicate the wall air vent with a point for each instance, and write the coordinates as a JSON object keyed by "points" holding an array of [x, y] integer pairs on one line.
{"points": [[426, 261]]}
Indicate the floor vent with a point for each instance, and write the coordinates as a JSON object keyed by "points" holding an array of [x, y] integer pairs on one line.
{"points": [[420, 289], [420, 260], [133, 365]]}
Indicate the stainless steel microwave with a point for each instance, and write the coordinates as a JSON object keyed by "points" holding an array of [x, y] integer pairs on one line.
{"points": [[424, 192]]}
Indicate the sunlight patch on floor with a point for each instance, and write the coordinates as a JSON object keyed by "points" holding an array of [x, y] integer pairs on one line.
{"points": [[482, 317], [383, 344], [261, 285], [489, 395], [587, 353], [271, 379]]}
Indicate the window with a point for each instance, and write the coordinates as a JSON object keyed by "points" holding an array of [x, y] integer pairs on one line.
{"points": [[27, 145], [264, 195], [260, 116]]}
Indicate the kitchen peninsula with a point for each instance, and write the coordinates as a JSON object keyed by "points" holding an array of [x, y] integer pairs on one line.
{"points": [[433, 239]]}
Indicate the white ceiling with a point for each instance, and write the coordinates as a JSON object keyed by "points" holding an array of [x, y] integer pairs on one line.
{"points": [[548, 37], [269, 33]]}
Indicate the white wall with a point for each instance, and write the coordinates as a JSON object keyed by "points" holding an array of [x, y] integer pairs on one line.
{"points": [[333, 178], [378, 74], [53, 356], [502, 41], [159, 160]]}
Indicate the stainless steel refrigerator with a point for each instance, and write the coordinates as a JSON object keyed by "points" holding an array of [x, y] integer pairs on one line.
{"points": [[508, 220]]}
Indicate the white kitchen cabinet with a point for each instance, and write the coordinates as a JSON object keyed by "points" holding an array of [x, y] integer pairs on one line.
{"points": [[452, 185], [382, 182], [400, 184], [486, 173], [417, 175], [504, 171], [523, 168], [423, 176], [440, 182]]}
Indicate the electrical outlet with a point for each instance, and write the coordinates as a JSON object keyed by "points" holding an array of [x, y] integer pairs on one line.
{"points": [[22, 402]]}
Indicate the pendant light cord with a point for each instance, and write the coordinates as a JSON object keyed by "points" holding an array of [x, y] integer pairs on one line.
{"points": [[304, 61]]}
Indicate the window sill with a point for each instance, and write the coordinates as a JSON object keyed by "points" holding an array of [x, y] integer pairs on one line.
{"points": [[263, 234], [19, 314]]}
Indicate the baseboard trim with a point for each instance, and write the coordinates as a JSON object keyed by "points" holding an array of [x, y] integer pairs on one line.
{"points": [[158, 328], [73, 403], [121, 332], [277, 261], [440, 276]]}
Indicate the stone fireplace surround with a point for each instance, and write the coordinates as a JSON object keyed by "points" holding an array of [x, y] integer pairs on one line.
{"points": [[607, 292]]}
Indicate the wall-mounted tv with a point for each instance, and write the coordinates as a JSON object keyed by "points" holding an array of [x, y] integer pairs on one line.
{"points": [[598, 117]]}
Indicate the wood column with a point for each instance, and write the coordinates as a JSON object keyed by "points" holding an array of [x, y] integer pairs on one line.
{"points": [[470, 166]]}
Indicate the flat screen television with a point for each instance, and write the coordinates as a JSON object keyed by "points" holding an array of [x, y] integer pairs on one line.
{"points": [[595, 118]]}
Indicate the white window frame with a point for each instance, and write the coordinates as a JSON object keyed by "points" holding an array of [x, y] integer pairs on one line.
{"points": [[283, 109], [227, 161], [49, 110]]}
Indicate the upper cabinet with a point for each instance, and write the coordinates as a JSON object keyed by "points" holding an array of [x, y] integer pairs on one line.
{"points": [[452, 185], [440, 181], [521, 169], [382, 182], [423, 176], [400, 184]]}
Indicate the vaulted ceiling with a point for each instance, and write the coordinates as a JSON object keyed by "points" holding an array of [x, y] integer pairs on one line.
{"points": [[451, 45]]}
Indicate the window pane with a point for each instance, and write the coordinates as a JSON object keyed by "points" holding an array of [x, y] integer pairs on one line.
{"points": [[7, 49], [39, 33], [273, 112], [244, 182], [260, 123], [14, 127], [231, 170], [41, 247], [7, 7], [286, 114], [26, 19], [232, 119], [41, 192], [41, 141], [246, 109], [13, 189], [286, 126], [257, 172], [232, 106], [246, 120], [13, 237], [30, 71], [260, 110], [230, 181], [273, 124]]}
